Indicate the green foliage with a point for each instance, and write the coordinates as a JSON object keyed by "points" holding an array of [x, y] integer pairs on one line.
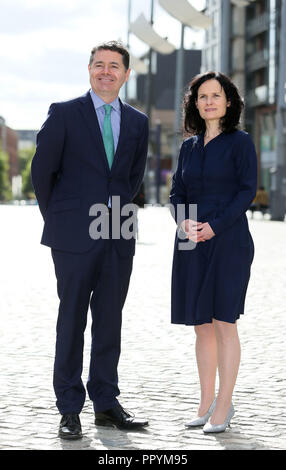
{"points": [[25, 157], [27, 187], [5, 186]]}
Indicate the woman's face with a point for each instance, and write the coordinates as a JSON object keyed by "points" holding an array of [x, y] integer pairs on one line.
{"points": [[212, 101]]}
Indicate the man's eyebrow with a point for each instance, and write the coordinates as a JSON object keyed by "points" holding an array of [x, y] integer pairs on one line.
{"points": [[101, 62]]}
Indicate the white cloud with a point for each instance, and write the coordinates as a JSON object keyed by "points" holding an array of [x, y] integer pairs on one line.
{"points": [[25, 16], [45, 47]]}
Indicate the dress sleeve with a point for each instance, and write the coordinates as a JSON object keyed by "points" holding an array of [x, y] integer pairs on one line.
{"points": [[246, 173], [178, 193]]}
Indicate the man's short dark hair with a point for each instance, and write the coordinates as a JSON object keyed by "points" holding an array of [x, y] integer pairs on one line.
{"points": [[115, 46]]}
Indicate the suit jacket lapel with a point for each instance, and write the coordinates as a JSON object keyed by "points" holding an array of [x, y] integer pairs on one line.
{"points": [[90, 117]]}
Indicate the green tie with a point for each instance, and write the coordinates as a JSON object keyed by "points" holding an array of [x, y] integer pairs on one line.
{"points": [[108, 135]]}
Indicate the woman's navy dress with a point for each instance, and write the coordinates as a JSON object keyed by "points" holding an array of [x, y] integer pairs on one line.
{"points": [[210, 280]]}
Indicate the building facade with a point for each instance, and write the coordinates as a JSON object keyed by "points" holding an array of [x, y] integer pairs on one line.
{"points": [[244, 42], [225, 40], [261, 75], [27, 138]]}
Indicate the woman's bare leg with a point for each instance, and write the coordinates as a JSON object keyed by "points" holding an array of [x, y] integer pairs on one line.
{"points": [[228, 359], [206, 354]]}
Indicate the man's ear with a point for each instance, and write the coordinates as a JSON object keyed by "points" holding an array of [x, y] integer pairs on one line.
{"points": [[127, 75]]}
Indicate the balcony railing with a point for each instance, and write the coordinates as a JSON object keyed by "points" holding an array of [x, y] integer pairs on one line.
{"points": [[257, 60], [257, 97], [257, 25]]}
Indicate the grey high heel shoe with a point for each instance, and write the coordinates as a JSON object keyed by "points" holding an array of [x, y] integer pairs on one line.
{"points": [[201, 420], [208, 427]]}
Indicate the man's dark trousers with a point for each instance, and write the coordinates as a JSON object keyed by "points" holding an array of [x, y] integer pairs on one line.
{"points": [[99, 279]]}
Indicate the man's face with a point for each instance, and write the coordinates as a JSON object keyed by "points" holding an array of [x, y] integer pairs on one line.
{"points": [[107, 74]]}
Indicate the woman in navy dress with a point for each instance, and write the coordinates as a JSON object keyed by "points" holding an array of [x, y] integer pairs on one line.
{"points": [[216, 172]]}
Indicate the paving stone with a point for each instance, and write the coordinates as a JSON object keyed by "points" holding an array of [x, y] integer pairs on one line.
{"points": [[157, 370]]}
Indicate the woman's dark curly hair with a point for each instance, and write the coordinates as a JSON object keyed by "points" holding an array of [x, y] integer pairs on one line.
{"points": [[193, 123]]}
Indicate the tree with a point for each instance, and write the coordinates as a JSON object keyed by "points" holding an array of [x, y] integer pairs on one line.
{"points": [[25, 157], [5, 186]]}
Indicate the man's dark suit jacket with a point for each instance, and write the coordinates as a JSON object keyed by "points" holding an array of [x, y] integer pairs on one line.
{"points": [[70, 171]]}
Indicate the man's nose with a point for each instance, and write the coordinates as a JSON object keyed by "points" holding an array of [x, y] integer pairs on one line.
{"points": [[106, 69]]}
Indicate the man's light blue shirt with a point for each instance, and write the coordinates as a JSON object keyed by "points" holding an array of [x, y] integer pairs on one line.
{"points": [[115, 115]]}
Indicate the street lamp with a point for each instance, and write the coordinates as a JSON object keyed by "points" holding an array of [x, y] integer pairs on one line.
{"points": [[144, 31], [188, 16], [138, 65], [135, 64], [185, 13]]}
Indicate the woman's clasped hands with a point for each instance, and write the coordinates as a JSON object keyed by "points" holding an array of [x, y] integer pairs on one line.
{"points": [[197, 231]]}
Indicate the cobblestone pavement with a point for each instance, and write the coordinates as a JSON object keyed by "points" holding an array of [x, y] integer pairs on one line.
{"points": [[158, 375]]}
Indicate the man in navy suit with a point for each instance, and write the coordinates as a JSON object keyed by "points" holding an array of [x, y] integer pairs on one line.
{"points": [[90, 151]]}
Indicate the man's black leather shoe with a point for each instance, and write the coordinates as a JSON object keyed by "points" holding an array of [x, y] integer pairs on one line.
{"points": [[70, 427], [119, 418]]}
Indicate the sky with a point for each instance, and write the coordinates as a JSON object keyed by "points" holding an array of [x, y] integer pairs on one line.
{"points": [[45, 47]]}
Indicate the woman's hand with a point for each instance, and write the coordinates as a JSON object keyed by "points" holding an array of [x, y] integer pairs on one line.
{"points": [[191, 229], [206, 232], [197, 231]]}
